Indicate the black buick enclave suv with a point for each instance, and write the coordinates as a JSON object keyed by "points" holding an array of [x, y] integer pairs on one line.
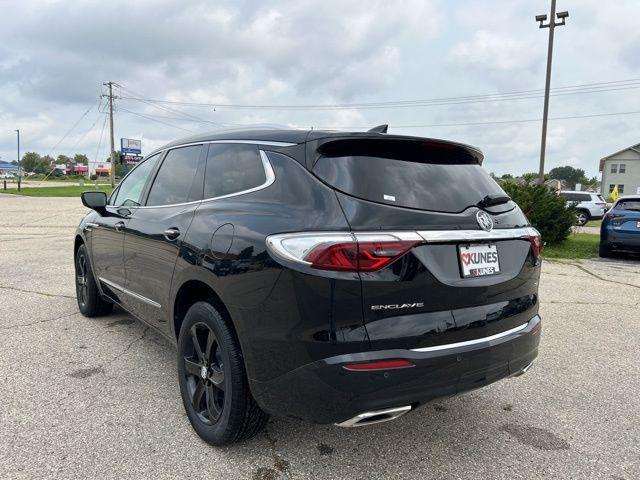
{"points": [[334, 277]]}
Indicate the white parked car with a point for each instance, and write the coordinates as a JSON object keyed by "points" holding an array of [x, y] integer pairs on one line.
{"points": [[589, 206], [6, 175]]}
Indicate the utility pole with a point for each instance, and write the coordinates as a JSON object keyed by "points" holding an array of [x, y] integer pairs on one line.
{"points": [[113, 151], [551, 25]]}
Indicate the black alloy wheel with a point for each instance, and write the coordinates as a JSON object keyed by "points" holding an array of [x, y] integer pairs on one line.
{"points": [[82, 288], [204, 372], [213, 380], [90, 303]]}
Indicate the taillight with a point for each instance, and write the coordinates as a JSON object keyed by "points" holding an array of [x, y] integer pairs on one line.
{"points": [[536, 244], [614, 215], [357, 252], [358, 256], [378, 365]]}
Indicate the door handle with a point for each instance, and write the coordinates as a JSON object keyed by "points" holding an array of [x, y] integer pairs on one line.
{"points": [[119, 226], [171, 233]]}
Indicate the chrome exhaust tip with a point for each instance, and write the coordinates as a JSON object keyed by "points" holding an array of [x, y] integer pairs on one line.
{"points": [[524, 370], [375, 416]]}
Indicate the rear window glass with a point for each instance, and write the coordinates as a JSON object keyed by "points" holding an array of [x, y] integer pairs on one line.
{"points": [[422, 179], [628, 205]]}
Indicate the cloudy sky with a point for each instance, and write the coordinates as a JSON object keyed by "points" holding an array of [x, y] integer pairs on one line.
{"points": [[55, 55]]}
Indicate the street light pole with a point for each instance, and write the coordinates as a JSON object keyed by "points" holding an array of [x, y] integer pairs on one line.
{"points": [[18, 132], [551, 25]]}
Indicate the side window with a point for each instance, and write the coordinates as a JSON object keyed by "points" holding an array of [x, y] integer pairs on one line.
{"points": [[232, 168], [179, 179], [130, 189], [622, 168], [614, 168], [584, 197]]}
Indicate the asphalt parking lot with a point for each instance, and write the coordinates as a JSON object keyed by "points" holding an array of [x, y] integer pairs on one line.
{"points": [[98, 398]]}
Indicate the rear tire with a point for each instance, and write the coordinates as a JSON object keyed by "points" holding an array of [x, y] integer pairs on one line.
{"points": [[90, 303], [582, 217], [604, 251], [213, 380]]}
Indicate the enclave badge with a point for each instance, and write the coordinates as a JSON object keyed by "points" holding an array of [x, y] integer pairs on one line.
{"points": [[484, 220]]}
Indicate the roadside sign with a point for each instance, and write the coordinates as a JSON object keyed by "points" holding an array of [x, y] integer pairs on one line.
{"points": [[131, 159], [130, 145]]}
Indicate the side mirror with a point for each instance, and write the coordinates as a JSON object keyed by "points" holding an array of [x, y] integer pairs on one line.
{"points": [[94, 200]]}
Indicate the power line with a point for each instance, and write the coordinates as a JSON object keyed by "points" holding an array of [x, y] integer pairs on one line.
{"points": [[71, 129], [148, 117], [104, 125], [495, 122], [75, 146], [457, 124], [598, 87]]}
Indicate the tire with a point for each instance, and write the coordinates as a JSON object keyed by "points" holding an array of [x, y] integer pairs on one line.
{"points": [[604, 251], [213, 379], [90, 302], [582, 217]]}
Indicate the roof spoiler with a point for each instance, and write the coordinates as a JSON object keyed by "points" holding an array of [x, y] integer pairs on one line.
{"points": [[379, 129]]}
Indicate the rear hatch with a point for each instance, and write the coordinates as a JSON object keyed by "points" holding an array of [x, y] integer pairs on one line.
{"points": [[472, 268]]}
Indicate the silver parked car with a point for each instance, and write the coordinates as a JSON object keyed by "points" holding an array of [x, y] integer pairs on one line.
{"points": [[589, 206]]}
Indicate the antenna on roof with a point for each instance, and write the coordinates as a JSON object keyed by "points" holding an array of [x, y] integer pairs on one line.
{"points": [[380, 129]]}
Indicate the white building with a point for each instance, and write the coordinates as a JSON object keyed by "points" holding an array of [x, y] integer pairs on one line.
{"points": [[622, 169]]}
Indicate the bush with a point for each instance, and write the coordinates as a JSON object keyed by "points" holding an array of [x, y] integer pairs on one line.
{"points": [[546, 210]]}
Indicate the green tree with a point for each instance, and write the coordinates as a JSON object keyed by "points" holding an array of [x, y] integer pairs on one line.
{"points": [[62, 159], [29, 161], [569, 174], [547, 211], [80, 158]]}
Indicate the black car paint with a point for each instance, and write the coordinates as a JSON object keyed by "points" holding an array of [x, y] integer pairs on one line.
{"points": [[291, 322]]}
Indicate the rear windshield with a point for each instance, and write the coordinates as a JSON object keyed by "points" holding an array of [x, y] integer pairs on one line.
{"points": [[628, 205], [426, 181]]}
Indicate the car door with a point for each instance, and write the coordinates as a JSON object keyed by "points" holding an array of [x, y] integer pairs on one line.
{"points": [[155, 233], [108, 230]]}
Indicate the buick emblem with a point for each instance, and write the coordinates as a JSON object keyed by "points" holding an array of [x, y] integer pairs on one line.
{"points": [[484, 220]]}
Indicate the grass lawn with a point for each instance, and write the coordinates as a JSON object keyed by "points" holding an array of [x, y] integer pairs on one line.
{"points": [[594, 223], [578, 245], [61, 191]]}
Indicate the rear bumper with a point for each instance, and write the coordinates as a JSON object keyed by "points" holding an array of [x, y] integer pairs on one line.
{"points": [[324, 392], [620, 239]]}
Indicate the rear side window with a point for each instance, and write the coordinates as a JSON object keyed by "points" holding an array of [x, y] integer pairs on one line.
{"points": [[583, 197], [421, 176], [232, 168], [180, 177]]}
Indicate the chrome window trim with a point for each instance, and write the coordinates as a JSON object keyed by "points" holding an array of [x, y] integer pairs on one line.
{"points": [[246, 142], [270, 177], [129, 292], [491, 338]]}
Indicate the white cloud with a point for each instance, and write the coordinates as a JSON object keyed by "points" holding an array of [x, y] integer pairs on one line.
{"points": [[54, 57]]}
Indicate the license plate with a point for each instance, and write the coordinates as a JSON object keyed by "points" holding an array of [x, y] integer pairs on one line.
{"points": [[479, 260]]}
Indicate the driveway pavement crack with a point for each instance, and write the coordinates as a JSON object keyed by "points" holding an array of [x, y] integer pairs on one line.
{"points": [[9, 327], [128, 347], [46, 294], [595, 275]]}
